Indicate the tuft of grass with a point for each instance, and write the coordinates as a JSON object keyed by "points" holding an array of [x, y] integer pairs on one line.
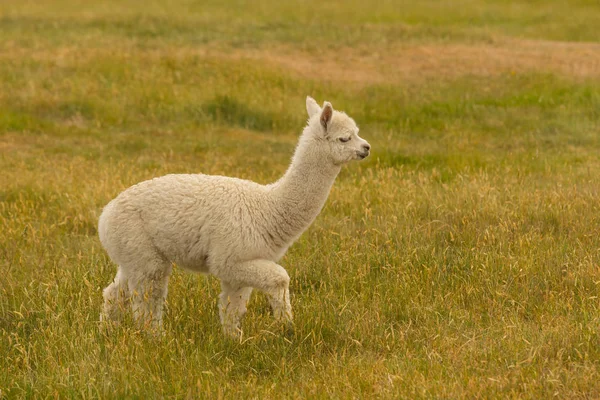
{"points": [[460, 260]]}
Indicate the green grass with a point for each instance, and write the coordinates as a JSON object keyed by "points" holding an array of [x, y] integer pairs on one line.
{"points": [[461, 260]]}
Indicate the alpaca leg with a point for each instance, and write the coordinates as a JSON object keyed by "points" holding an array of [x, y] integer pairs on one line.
{"points": [[232, 307], [269, 277], [148, 293], [116, 298], [280, 303]]}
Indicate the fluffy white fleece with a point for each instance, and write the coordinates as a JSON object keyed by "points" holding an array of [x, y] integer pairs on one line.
{"points": [[234, 229]]}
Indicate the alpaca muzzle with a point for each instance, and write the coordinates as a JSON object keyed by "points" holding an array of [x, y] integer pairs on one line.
{"points": [[363, 155], [366, 149]]}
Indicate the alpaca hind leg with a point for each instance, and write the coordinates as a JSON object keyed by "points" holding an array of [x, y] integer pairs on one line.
{"points": [[269, 277], [148, 293], [232, 307], [116, 299]]}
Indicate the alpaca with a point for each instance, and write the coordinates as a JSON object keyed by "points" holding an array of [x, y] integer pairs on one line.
{"points": [[234, 229]]}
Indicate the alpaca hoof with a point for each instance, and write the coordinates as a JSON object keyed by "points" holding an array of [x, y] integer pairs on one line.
{"points": [[232, 332], [289, 330], [156, 332], [107, 324]]}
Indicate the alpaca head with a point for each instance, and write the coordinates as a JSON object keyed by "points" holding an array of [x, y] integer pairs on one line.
{"points": [[336, 132]]}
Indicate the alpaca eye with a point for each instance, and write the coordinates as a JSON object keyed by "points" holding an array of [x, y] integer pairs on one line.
{"points": [[344, 140]]}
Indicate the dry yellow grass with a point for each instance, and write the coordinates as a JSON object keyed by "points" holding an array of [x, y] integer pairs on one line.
{"points": [[459, 261]]}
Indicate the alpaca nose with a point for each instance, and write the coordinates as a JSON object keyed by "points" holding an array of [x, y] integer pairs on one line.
{"points": [[366, 147]]}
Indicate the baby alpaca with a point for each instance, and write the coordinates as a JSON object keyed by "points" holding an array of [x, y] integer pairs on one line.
{"points": [[234, 229]]}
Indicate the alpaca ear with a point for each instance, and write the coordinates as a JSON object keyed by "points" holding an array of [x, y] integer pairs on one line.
{"points": [[326, 114], [312, 107]]}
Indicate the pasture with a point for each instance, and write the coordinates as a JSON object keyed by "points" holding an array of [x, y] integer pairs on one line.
{"points": [[460, 260]]}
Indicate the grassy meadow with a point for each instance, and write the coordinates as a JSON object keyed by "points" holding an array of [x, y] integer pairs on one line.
{"points": [[460, 260]]}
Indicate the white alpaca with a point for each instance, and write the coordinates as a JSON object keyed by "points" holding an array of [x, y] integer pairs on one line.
{"points": [[234, 229]]}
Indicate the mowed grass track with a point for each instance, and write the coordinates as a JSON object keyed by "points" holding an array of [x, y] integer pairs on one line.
{"points": [[461, 260]]}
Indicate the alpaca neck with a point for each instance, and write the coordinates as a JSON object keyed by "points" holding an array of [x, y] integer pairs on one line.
{"points": [[302, 191]]}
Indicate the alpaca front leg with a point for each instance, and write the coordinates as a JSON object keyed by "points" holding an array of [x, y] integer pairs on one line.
{"points": [[280, 303], [269, 277], [232, 308]]}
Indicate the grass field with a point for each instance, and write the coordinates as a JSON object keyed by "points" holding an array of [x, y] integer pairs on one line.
{"points": [[460, 260]]}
